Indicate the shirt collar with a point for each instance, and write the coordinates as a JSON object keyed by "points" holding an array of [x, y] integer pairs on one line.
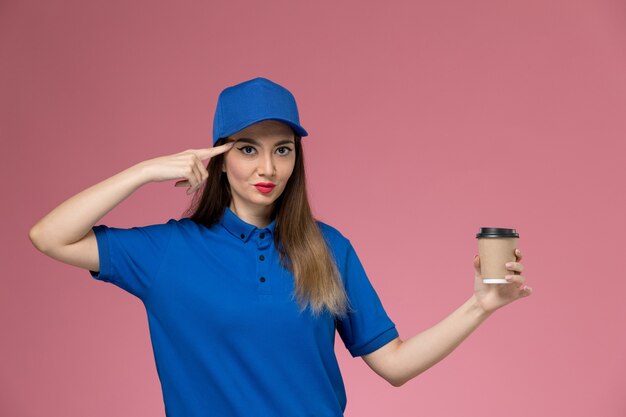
{"points": [[239, 228]]}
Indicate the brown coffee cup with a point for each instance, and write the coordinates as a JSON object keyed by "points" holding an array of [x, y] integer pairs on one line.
{"points": [[496, 247]]}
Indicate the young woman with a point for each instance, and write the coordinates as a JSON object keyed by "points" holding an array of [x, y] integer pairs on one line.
{"points": [[245, 295]]}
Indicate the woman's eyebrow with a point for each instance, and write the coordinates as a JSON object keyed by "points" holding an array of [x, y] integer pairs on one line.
{"points": [[256, 142]]}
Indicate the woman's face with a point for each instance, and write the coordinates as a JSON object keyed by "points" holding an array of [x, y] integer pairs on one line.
{"points": [[263, 153]]}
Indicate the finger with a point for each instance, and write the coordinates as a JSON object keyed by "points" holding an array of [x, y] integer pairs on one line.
{"points": [[197, 178], [525, 291], [518, 254], [515, 279], [204, 174], [216, 150], [191, 177], [514, 266], [197, 186], [192, 190]]}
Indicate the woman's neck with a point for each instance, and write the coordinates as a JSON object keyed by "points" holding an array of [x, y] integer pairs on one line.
{"points": [[260, 217]]}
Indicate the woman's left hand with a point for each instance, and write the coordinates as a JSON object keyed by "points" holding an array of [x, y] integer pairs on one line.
{"points": [[493, 296]]}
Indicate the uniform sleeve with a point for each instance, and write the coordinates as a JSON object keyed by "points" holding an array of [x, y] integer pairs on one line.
{"points": [[367, 327], [131, 258]]}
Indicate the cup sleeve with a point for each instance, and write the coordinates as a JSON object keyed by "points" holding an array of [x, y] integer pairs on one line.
{"points": [[367, 327], [131, 258]]}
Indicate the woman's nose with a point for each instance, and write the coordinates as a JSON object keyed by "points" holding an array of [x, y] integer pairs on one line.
{"points": [[267, 165]]}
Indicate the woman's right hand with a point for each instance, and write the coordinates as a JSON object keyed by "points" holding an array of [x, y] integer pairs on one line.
{"points": [[187, 164]]}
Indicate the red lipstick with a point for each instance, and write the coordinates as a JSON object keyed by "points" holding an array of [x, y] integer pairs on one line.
{"points": [[264, 187]]}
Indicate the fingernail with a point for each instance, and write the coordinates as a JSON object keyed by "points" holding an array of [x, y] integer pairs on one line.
{"points": [[508, 278]]}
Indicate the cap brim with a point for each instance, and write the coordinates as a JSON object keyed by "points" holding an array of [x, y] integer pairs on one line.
{"points": [[298, 129]]}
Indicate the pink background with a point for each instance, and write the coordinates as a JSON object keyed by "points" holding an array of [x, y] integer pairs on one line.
{"points": [[427, 121]]}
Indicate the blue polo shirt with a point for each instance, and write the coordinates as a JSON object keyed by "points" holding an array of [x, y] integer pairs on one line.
{"points": [[228, 338]]}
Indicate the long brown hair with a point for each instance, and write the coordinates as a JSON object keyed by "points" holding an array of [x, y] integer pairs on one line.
{"points": [[299, 240]]}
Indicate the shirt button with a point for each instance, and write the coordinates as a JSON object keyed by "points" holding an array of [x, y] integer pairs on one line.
{"points": [[261, 257], [242, 235], [262, 235], [262, 279]]}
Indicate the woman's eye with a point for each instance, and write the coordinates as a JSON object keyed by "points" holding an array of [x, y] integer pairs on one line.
{"points": [[286, 148], [245, 147], [243, 150]]}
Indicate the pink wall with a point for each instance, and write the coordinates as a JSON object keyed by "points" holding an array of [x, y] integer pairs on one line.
{"points": [[426, 121]]}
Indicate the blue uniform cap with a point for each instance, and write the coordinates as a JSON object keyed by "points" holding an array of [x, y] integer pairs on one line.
{"points": [[251, 101]]}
